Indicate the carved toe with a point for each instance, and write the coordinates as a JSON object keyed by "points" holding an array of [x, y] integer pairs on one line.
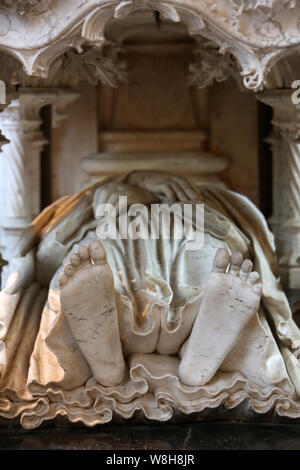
{"points": [[221, 261]]}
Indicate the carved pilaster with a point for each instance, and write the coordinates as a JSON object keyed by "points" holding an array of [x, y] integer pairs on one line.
{"points": [[15, 212], [20, 176], [285, 222], [31, 103], [16, 206]]}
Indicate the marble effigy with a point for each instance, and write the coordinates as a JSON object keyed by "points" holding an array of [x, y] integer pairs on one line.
{"points": [[95, 327]]}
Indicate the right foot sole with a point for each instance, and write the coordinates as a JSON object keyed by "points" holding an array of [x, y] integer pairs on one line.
{"points": [[231, 299]]}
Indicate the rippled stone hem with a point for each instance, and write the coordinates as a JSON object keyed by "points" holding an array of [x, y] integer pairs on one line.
{"points": [[151, 389]]}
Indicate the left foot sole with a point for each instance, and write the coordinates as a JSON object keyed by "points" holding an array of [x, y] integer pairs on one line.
{"points": [[88, 300]]}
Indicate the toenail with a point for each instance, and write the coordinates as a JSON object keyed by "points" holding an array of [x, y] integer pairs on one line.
{"points": [[83, 252], [247, 266], [97, 251], [236, 258]]}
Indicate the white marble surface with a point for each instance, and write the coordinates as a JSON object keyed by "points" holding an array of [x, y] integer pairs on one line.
{"points": [[158, 304]]}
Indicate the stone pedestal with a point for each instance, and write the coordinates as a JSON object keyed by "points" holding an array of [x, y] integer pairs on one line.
{"points": [[285, 221]]}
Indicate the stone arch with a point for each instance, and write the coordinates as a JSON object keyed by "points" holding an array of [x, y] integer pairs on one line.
{"points": [[256, 33]]}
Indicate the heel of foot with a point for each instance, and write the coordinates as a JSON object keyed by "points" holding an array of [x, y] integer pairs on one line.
{"points": [[110, 376], [193, 376]]}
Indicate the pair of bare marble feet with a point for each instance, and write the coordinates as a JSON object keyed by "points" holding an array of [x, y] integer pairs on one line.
{"points": [[232, 296]]}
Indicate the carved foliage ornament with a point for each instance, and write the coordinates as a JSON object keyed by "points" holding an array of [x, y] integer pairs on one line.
{"points": [[88, 65], [209, 65], [256, 32], [27, 7]]}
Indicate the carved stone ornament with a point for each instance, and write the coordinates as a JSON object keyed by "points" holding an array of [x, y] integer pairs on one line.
{"points": [[256, 32], [84, 65], [209, 65], [27, 7]]}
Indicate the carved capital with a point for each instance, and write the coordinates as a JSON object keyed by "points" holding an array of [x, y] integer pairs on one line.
{"points": [[10, 116], [26, 110], [286, 114], [31, 103], [23, 114], [62, 100]]}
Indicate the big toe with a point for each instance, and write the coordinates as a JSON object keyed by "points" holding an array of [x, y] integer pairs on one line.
{"points": [[97, 251], [221, 260]]}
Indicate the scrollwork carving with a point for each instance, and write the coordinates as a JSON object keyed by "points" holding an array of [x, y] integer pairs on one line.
{"points": [[27, 7], [256, 32]]}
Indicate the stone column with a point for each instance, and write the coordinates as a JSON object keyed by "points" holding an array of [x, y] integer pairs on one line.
{"points": [[285, 221], [20, 176]]}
